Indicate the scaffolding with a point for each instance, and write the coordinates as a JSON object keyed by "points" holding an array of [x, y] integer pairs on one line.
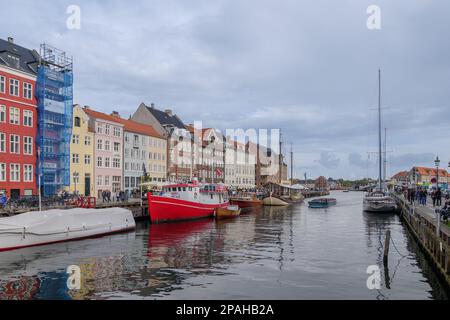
{"points": [[54, 93]]}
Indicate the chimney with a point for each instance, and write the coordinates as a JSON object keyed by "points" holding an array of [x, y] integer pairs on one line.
{"points": [[115, 114], [168, 112], [87, 107], [152, 105], [10, 39]]}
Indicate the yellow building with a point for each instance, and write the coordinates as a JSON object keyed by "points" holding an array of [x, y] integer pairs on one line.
{"points": [[81, 154], [157, 159]]}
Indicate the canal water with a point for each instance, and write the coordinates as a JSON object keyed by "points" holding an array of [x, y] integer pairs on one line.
{"points": [[274, 253]]}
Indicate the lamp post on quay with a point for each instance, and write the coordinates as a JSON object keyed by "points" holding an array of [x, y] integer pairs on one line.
{"points": [[438, 214]]}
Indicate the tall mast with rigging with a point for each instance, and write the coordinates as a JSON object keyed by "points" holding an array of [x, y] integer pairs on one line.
{"points": [[379, 133]]}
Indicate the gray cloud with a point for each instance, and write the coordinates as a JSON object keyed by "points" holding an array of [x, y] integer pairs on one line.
{"points": [[307, 67], [328, 159]]}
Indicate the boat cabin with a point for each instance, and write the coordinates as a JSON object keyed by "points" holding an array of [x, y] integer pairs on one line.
{"points": [[204, 193]]}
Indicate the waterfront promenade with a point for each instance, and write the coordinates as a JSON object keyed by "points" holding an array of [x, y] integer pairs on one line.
{"points": [[422, 222]]}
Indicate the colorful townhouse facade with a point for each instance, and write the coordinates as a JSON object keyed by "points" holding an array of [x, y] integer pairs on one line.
{"points": [[108, 152], [240, 165], [145, 153], [179, 162], [18, 119], [81, 154]]}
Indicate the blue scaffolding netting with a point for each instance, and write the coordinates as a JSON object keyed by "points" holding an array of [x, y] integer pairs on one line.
{"points": [[54, 93]]}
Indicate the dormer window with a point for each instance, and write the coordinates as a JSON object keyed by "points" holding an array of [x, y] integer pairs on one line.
{"points": [[13, 61]]}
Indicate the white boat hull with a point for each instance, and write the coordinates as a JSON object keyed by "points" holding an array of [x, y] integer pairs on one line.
{"points": [[52, 226]]}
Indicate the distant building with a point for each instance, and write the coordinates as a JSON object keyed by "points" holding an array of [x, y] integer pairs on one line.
{"points": [[81, 154], [321, 183], [425, 176], [18, 119], [108, 151], [267, 168], [400, 178], [240, 165]]}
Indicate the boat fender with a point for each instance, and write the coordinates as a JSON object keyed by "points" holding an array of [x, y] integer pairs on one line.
{"points": [[126, 220], [68, 230], [84, 226], [23, 232]]}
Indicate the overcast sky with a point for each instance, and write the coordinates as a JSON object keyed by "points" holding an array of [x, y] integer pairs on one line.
{"points": [[308, 67]]}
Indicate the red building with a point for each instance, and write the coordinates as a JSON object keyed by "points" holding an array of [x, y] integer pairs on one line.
{"points": [[18, 119]]}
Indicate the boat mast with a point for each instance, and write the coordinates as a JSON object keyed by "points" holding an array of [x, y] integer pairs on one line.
{"points": [[379, 131], [292, 166], [280, 160], [385, 158]]}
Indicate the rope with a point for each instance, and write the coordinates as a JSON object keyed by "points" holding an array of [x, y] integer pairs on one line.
{"points": [[395, 247]]}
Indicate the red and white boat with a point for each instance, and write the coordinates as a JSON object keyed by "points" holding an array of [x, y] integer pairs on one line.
{"points": [[186, 201]]}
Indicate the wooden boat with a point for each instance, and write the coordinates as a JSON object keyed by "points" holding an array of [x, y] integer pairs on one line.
{"points": [[274, 201], [245, 202], [322, 203], [228, 212], [36, 228]]}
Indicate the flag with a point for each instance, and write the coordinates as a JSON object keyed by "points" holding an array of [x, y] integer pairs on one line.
{"points": [[218, 172]]}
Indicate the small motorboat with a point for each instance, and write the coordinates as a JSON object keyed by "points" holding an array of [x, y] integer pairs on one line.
{"points": [[345, 190], [322, 203], [246, 201], [228, 212], [36, 228]]}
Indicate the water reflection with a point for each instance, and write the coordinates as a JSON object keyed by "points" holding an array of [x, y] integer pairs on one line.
{"points": [[273, 252]]}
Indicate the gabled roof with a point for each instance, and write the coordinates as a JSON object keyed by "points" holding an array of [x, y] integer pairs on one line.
{"points": [[430, 171], [165, 119], [136, 127], [28, 59], [100, 115]]}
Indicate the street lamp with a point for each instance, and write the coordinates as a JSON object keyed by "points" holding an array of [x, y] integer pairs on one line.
{"points": [[437, 162]]}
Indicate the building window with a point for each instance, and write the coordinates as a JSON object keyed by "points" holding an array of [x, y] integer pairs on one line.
{"points": [[14, 87], [14, 115], [2, 113], [76, 177], [116, 163], [99, 144], [87, 159], [28, 118], [127, 182], [2, 84], [75, 158], [2, 142], [2, 171], [77, 122], [106, 180], [27, 91], [14, 144], [107, 131], [107, 143], [99, 180], [28, 145], [99, 162], [116, 147], [116, 132], [107, 162], [75, 139], [99, 128], [14, 172], [28, 172], [87, 141]]}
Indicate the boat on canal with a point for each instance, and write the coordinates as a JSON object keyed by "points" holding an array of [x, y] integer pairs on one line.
{"points": [[232, 211], [246, 201], [37, 228], [186, 201], [322, 203], [379, 200]]}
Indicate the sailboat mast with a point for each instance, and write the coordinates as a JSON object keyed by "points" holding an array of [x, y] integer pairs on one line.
{"points": [[292, 166], [379, 131], [280, 160]]}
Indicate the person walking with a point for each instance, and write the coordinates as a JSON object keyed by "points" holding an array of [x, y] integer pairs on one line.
{"points": [[438, 197]]}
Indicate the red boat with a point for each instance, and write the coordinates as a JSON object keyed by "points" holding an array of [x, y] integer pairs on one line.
{"points": [[187, 201]]}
